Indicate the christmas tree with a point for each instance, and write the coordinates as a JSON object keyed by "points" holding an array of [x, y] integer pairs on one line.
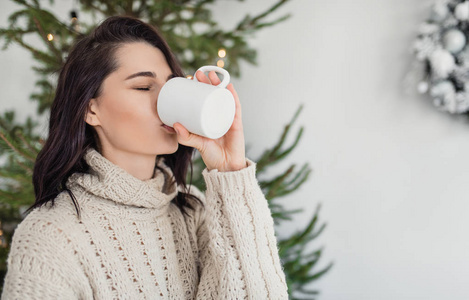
{"points": [[196, 40]]}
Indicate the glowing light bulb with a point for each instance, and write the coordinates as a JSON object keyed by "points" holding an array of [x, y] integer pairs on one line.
{"points": [[220, 63], [50, 37], [221, 52], [189, 77]]}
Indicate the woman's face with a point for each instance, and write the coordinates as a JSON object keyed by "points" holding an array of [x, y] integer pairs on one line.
{"points": [[125, 115]]}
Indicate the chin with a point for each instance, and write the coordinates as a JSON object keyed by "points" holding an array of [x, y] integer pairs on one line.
{"points": [[172, 149], [175, 149]]}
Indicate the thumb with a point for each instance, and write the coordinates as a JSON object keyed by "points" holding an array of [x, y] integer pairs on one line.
{"points": [[187, 138]]}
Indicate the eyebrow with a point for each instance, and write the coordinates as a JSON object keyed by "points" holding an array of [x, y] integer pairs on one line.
{"points": [[147, 74], [144, 74]]}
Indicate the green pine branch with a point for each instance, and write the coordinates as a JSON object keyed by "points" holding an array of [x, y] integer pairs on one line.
{"points": [[298, 262], [275, 155]]}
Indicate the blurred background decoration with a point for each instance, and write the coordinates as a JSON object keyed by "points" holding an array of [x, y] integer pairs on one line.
{"points": [[196, 39], [442, 54]]}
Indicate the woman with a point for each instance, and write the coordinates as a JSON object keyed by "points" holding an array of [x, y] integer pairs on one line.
{"points": [[113, 217]]}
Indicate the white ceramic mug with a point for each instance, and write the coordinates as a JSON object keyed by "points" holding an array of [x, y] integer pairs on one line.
{"points": [[204, 109]]}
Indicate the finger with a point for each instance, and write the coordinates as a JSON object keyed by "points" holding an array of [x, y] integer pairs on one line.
{"points": [[187, 138], [212, 75], [201, 77]]}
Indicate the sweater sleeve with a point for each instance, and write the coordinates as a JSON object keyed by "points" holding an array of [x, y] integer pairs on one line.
{"points": [[237, 245], [40, 263]]}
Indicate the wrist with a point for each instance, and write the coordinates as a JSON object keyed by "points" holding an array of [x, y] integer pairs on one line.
{"points": [[236, 168], [232, 167]]}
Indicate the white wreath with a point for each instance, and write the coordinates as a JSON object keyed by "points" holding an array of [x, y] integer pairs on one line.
{"points": [[441, 46]]}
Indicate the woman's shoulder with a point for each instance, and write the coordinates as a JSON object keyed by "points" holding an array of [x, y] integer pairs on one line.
{"points": [[49, 219], [61, 206], [42, 247]]}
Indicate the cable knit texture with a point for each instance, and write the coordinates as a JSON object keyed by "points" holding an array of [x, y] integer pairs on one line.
{"points": [[133, 242]]}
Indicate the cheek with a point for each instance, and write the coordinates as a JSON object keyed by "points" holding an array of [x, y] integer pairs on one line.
{"points": [[130, 118]]}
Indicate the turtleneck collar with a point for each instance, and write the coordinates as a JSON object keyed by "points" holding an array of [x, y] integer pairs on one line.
{"points": [[111, 182]]}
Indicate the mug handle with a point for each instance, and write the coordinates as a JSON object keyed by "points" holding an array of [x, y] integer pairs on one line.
{"points": [[226, 75]]}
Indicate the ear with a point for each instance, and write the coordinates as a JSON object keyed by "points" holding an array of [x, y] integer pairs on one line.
{"points": [[92, 113]]}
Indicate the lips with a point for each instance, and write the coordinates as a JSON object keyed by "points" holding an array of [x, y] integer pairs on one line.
{"points": [[170, 129]]}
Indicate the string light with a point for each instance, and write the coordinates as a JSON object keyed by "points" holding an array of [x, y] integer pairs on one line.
{"points": [[50, 37], [221, 55], [74, 21], [73, 16], [221, 52], [189, 77]]}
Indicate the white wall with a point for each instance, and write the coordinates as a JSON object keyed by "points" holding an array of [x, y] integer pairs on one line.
{"points": [[388, 168]]}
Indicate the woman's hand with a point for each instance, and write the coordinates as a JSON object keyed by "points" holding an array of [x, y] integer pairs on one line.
{"points": [[226, 153]]}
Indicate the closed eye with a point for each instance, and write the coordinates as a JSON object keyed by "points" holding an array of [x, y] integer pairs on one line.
{"points": [[147, 88], [142, 89]]}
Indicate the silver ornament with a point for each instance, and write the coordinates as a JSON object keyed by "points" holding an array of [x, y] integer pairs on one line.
{"points": [[442, 63], [439, 12], [454, 40], [461, 11], [442, 89]]}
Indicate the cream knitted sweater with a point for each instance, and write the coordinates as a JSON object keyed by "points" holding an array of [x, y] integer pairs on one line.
{"points": [[132, 242]]}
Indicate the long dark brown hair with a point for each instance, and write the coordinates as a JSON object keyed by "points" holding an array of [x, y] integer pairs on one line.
{"points": [[89, 62]]}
